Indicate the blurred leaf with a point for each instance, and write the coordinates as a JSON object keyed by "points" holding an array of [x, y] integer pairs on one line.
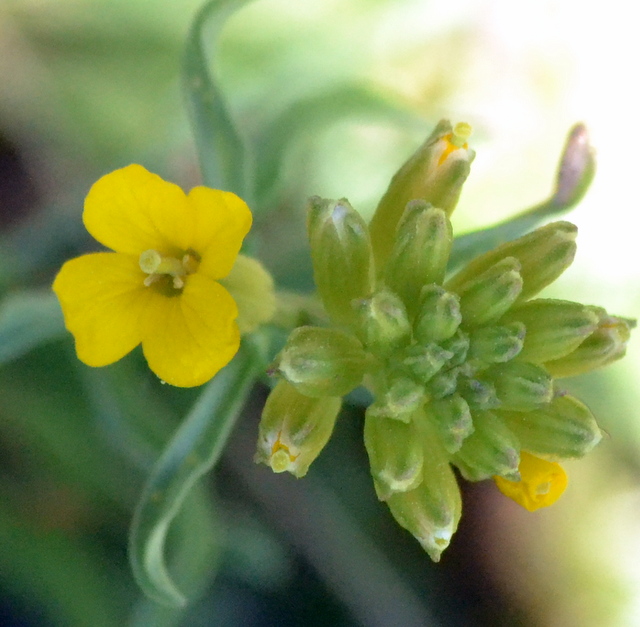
{"points": [[67, 574], [309, 116], [194, 568], [575, 172], [192, 452], [28, 319], [223, 159]]}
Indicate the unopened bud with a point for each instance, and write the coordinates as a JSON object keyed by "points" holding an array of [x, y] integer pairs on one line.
{"points": [[421, 362], [294, 429], [544, 254], [563, 429], [420, 253], [322, 362], [497, 344], [435, 173], [431, 511], [480, 395], [395, 454], [492, 449], [342, 256], [554, 328], [604, 346], [488, 296], [399, 400], [451, 417], [520, 386], [438, 315], [383, 324]]}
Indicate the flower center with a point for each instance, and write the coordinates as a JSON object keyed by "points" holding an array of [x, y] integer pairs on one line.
{"points": [[168, 271], [456, 139]]}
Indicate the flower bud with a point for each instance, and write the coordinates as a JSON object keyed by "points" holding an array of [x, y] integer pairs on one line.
{"points": [[294, 429], [395, 454], [438, 315], [541, 483], [492, 345], [431, 511], [341, 255], [321, 362], [480, 395], [383, 324], [488, 296], [577, 168], [458, 346], [421, 362], [434, 173], [544, 254], [605, 345], [444, 383], [252, 288], [399, 400], [451, 417], [563, 429], [520, 386], [554, 328], [492, 449], [420, 253]]}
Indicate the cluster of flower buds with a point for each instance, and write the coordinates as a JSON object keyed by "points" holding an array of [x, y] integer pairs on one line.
{"points": [[461, 367]]}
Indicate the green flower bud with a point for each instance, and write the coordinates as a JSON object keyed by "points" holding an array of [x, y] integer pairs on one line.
{"points": [[520, 386], [421, 362], [480, 395], [544, 254], [438, 315], [383, 324], [444, 383], [492, 449], [492, 345], [431, 511], [434, 173], [554, 327], [488, 296], [322, 362], [458, 346], [563, 429], [294, 429], [395, 454], [342, 257], [421, 252], [605, 345], [451, 417], [399, 400]]}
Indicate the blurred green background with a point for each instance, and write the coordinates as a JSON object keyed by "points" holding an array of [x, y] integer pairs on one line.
{"points": [[331, 96]]}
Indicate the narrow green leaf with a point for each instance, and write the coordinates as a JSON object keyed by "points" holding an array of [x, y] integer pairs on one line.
{"points": [[575, 172], [192, 452], [223, 159], [28, 319]]}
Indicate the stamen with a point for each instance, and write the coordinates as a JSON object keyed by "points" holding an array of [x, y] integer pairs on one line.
{"points": [[156, 265], [461, 133]]}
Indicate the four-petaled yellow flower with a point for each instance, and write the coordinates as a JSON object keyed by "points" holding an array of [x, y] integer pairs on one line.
{"points": [[160, 285]]}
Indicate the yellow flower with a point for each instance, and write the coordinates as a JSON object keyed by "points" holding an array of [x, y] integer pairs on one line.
{"points": [[160, 287], [541, 483]]}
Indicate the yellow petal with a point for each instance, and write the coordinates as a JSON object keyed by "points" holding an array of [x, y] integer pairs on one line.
{"points": [[542, 483], [221, 222], [190, 337], [132, 210], [103, 298], [252, 288]]}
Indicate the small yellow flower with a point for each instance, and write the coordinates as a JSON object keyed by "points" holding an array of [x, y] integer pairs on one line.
{"points": [[541, 483], [160, 287]]}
